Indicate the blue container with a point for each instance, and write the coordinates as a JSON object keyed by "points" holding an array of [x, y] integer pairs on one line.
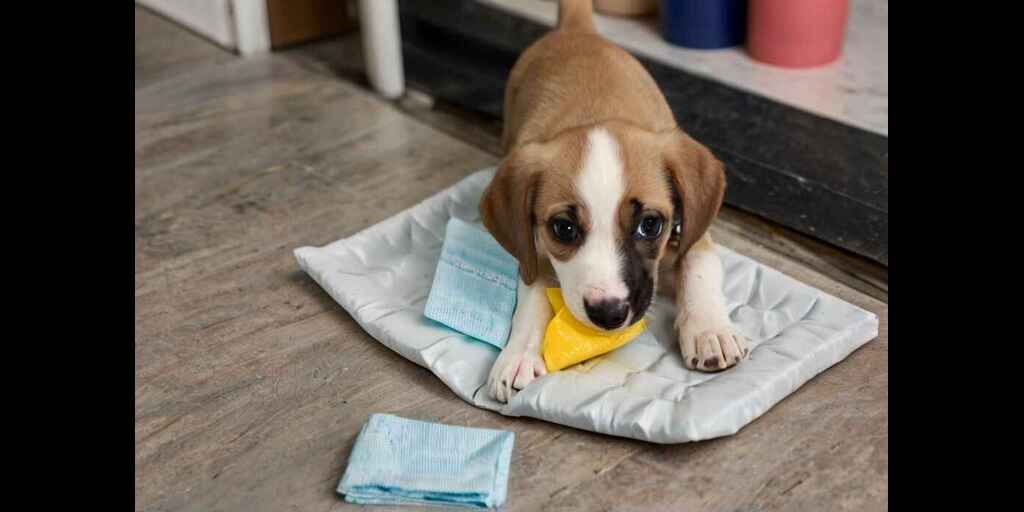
{"points": [[704, 24]]}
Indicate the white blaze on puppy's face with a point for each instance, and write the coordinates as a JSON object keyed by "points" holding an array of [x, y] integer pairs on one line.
{"points": [[594, 273]]}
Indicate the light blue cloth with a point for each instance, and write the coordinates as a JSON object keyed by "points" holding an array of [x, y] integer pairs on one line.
{"points": [[397, 461], [474, 290]]}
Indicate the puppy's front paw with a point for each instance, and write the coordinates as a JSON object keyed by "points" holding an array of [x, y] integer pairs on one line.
{"points": [[712, 350], [513, 370]]}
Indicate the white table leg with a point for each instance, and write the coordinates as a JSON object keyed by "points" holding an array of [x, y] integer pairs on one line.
{"points": [[252, 27], [382, 46]]}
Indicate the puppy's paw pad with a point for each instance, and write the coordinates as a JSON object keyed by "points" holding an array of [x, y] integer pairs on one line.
{"points": [[512, 372], [531, 366], [714, 350]]}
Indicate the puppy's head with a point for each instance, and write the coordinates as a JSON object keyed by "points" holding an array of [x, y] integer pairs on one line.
{"points": [[600, 203]]}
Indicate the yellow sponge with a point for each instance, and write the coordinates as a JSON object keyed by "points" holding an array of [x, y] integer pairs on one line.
{"points": [[567, 341]]}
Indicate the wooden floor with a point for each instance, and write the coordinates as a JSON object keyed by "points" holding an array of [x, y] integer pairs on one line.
{"points": [[251, 383]]}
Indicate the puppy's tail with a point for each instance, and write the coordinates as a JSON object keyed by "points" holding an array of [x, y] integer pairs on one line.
{"points": [[576, 15]]}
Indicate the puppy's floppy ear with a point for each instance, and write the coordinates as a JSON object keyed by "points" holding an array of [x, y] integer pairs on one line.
{"points": [[507, 206], [699, 179]]}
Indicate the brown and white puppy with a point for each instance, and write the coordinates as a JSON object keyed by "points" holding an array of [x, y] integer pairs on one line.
{"points": [[599, 192]]}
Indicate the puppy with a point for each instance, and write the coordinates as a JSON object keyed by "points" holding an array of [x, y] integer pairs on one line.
{"points": [[598, 193]]}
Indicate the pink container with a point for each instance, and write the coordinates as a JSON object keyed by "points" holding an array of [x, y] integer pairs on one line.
{"points": [[796, 33]]}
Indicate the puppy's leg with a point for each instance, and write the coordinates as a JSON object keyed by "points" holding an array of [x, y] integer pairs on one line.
{"points": [[706, 337], [520, 361]]}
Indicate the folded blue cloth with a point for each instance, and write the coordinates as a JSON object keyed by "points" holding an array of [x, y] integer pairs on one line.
{"points": [[474, 290], [397, 461]]}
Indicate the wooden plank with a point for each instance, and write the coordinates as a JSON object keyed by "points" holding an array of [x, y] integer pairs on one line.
{"points": [[163, 49]]}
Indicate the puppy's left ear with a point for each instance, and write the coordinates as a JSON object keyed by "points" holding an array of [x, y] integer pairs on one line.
{"points": [[699, 179]]}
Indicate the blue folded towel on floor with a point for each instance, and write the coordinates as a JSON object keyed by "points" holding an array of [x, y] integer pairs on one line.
{"points": [[397, 461], [474, 290]]}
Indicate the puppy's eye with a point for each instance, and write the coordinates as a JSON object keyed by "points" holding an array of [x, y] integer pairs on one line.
{"points": [[649, 228], [565, 230]]}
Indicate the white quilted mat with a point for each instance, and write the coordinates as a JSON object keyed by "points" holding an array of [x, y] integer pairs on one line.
{"points": [[382, 277]]}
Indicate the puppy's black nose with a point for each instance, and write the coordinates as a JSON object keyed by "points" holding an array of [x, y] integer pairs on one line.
{"points": [[608, 314]]}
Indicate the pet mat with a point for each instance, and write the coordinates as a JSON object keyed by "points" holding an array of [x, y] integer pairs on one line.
{"points": [[383, 274]]}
